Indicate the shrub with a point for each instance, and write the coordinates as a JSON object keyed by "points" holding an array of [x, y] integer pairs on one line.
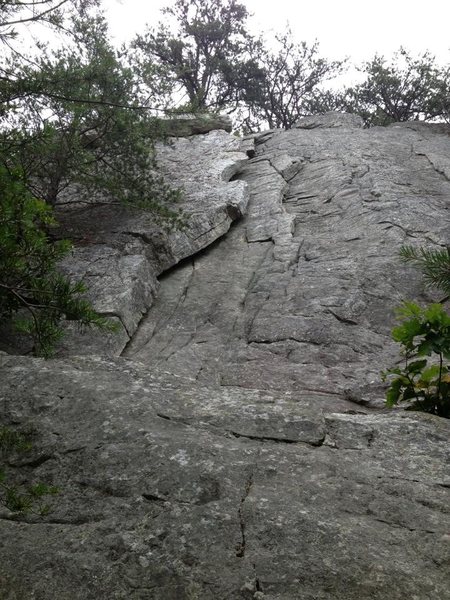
{"points": [[32, 292], [423, 332]]}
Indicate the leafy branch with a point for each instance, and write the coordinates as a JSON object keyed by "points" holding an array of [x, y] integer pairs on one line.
{"points": [[423, 332]]}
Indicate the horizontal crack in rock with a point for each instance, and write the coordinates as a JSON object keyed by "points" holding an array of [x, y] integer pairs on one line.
{"points": [[179, 420], [265, 438], [399, 526], [35, 462], [154, 498]]}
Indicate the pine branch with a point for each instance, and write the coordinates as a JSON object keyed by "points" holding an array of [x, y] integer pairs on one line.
{"points": [[434, 264]]}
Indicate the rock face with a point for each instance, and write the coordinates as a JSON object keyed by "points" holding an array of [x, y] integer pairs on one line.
{"points": [[239, 449], [119, 254], [174, 491], [300, 294]]}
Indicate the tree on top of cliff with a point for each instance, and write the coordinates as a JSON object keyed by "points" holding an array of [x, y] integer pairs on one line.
{"points": [[209, 61], [74, 117], [206, 56], [407, 88], [70, 118], [288, 84]]}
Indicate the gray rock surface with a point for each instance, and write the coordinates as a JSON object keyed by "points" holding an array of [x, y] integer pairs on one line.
{"points": [[174, 491], [300, 293], [239, 449], [328, 120], [120, 253]]}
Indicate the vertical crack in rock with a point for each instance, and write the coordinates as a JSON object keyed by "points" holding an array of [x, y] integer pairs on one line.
{"points": [[241, 546], [180, 302], [258, 587], [185, 290], [293, 264]]}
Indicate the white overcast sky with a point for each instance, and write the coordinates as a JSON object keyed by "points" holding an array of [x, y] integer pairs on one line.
{"points": [[352, 28]]}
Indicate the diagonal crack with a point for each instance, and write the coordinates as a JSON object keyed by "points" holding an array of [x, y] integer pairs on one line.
{"points": [[342, 319]]}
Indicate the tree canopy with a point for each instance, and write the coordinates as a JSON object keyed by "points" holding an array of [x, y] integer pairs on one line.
{"points": [[71, 119], [406, 88], [206, 54], [288, 83]]}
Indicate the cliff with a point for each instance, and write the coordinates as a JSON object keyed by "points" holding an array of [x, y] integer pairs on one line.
{"points": [[232, 441]]}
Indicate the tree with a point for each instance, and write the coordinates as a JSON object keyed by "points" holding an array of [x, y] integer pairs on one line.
{"points": [[213, 63], [440, 102], [78, 120], [70, 120], [206, 57], [288, 84], [407, 88]]}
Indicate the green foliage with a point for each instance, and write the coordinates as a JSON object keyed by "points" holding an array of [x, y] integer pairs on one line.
{"points": [[287, 84], [435, 265], [75, 120], [206, 56], [13, 440], [423, 332], [20, 498], [72, 119], [407, 88], [32, 291], [210, 60]]}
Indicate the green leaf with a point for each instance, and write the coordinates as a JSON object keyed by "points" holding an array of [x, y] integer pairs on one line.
{"points": [[394, 392], [416, 366], [436, 315], [429, 374], [406, 332]]}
